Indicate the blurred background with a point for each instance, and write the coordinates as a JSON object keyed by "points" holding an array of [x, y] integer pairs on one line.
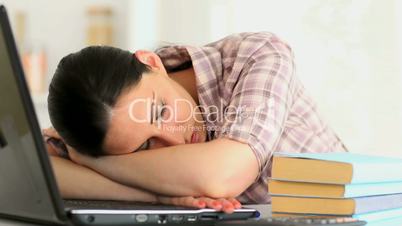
{"points": [[348, 52]]}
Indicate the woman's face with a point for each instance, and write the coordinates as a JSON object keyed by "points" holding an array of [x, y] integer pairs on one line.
{"points": [[157, 112]]}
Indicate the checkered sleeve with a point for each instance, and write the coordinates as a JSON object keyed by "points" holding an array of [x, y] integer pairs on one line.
{"points": [[261, 99]]}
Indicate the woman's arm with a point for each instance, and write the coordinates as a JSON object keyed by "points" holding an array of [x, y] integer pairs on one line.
{"points": [[79, 182], [220, 168]]}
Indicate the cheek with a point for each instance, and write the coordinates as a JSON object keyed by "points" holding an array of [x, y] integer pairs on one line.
{"points": [[178, 118], [120, 152], [117, 147], [180, 106], [183, 112], [122, 140]]}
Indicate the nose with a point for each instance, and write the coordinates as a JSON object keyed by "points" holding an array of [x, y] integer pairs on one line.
{"points": [[165, 139]]}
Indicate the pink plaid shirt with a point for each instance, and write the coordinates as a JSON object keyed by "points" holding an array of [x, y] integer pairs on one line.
{"points": [[248, 92]]}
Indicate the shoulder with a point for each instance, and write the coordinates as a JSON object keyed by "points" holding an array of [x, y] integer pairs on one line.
{"points": [[240, 46], [247, 38], [244, 36]]}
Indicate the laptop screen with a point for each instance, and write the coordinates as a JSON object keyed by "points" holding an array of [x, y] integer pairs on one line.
{"points": [[24, 181]]}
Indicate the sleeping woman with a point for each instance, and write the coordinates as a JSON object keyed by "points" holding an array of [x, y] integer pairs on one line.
{"points": [[183, 125]]}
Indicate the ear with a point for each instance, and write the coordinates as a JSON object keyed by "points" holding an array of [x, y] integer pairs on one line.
{"points": [[150, 58]]}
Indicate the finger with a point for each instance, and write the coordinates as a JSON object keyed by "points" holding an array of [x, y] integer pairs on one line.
{"points": [[46, 129], [235, 203], [51, 132], [212, 203], [51, 150], [199, 203], [192, 202], [227, 206]]}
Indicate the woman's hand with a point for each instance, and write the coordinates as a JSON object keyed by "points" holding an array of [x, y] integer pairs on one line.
{"points": [[55, 147], [55, 144], [51, 136], [226, 205]]}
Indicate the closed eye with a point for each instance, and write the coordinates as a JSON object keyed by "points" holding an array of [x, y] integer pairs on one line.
{"points": [[144, 146], [161, 111]]}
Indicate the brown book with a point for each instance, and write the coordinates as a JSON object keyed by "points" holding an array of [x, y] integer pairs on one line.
{"points": [[336, 168]]}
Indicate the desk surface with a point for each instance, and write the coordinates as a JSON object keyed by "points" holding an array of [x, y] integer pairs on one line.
{"points": [[265, 211]]}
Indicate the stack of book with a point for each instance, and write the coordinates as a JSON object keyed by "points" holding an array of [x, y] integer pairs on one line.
{"points": [[336, 184]]}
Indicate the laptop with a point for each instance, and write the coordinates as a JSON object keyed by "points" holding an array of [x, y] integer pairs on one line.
{"points": [[28, 190]]}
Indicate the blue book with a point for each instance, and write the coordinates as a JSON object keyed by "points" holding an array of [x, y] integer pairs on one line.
{"points": [[321, 190], [331, 206], [394, 221], [391, 217], [336, 168], [380, 215]]}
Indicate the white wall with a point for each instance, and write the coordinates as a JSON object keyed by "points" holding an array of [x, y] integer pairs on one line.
{"points": [[143, 26], [348, 55], [60, 27], [348, 52]]}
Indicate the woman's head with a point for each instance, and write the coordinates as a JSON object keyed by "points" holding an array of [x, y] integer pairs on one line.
{"points": [[101, 100]]}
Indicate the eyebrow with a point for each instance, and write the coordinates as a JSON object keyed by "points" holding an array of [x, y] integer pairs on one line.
{"points": [[152, 117]]}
